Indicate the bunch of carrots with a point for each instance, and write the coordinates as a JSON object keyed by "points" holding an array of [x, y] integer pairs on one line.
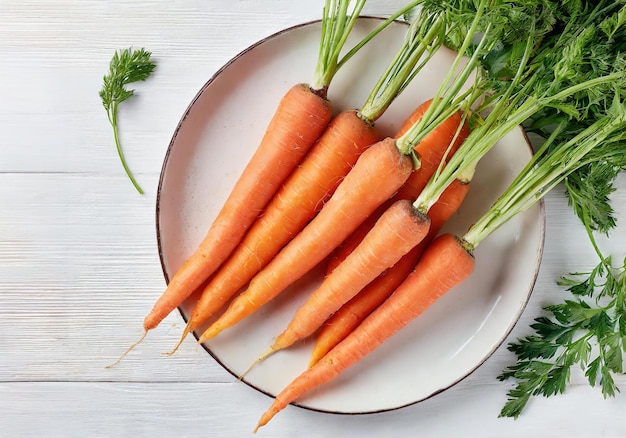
{"points": [[373, 207]]}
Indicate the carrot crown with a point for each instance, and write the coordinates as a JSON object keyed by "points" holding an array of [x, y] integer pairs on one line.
{"points": [[577, 82], [337, 24], [424, 36]]}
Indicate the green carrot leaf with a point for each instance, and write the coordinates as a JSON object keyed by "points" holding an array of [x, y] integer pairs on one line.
{"points": [[126, 66]]}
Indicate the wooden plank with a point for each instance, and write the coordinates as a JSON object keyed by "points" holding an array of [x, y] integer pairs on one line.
{"points": [[122, 409], [79, 269]]}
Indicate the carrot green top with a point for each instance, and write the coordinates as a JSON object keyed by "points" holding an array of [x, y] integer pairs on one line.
{"points": [[551, 165], [585, 146], [337, 23], [565, 73], [424, 36], [336, 26]]}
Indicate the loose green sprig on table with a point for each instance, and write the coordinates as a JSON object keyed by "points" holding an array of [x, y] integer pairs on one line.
{"points": [[588, 329], [127, 66], [580, 332]]}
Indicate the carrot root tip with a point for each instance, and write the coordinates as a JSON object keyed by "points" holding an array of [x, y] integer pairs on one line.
{"points": [[119, 359], [180, 342], [261, 358]]}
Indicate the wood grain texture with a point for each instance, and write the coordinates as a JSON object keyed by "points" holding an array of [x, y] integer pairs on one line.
{"points": [[67, 410], [78, 260]]}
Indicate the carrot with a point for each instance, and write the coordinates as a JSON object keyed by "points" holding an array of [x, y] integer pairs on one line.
{"points": [[357, 195], [301, 117], [445, 264], [401, 227], [357, 235], [354, 312]]}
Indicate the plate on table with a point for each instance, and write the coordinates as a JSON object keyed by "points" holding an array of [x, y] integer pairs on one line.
{"points": [[217, 135]]}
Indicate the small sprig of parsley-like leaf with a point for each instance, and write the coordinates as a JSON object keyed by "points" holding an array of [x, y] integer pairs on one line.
{"points": [[126, 66], [589, 333], [589, 190]]}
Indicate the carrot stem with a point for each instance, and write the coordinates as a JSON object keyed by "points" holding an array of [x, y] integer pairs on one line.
{"points": [[501, 121], [336, 26], [539, 176], [376, 31], [422, 37], [112, 115]]}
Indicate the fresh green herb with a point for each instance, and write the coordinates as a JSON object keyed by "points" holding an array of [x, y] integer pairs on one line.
{"points": [[126, 67], [588, 329], [537, 86], [589, 333]]}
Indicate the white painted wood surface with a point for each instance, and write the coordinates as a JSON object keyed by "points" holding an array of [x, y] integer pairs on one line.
{"points": [[78, 258]]}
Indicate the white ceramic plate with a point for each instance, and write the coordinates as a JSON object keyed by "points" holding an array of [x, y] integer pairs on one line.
{"points": [[209, 149]]}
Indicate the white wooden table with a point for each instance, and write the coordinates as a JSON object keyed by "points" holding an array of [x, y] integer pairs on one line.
{"points": [[78, 260]]}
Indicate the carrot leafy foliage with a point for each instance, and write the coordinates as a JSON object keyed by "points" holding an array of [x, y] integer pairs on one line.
{"points": [[126, 66], [588, 328], [589, 333]]}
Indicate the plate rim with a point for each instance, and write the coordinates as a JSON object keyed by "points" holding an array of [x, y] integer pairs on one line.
{"points": [[197, 96]]}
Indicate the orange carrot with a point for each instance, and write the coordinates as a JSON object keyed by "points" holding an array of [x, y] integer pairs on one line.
{"points": [[299, 120], [397, 231], [354, 312], [295, 203], [377, 174], [355, 238], [444, 264]]}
